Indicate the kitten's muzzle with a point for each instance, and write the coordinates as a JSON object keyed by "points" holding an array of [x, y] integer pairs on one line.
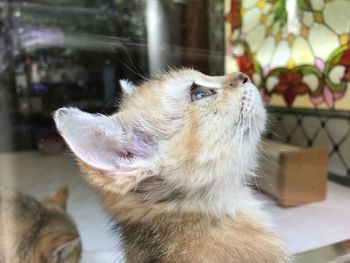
{"points": [[244, 78], [236, 80]]}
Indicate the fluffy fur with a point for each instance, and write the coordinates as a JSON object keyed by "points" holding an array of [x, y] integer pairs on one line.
{"points": [[173, 172], [37, 232]]}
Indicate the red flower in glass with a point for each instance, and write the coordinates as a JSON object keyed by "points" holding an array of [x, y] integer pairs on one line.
{"points": [[234, 16], [290, 85], [246, 65]]}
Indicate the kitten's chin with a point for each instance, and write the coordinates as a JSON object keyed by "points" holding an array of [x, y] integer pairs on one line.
{"points": [[252, 112]]}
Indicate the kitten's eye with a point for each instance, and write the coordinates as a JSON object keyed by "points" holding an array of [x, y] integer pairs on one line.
{"points": [[199, 92]]}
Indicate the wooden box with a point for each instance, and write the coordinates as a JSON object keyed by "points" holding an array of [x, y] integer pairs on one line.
{"points": [[293, 175]]}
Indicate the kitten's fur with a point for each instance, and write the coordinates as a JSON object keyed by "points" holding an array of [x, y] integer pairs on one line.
{"points": [[173, 171], [37, 232]]}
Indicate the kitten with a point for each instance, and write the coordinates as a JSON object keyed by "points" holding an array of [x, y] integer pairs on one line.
{"points": [[37, 232], [172, 165]]}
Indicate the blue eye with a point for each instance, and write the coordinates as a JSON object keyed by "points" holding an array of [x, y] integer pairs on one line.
{"points": [[199, 92]]}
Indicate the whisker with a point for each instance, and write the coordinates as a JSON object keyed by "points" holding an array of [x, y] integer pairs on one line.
{"points": [[132, 62], [135, 72]]}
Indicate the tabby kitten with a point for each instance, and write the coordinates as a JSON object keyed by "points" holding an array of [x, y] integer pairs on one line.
{"points": [[37, 232]]}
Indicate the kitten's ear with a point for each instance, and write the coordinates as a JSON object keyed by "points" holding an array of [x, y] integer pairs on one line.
{"points": [[127, 86], [98, 140], [59, 198], [106, 148], [62, 247]]}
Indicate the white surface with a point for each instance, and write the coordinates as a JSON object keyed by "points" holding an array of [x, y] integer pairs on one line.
{"points": [[314, 225], [305, 227], [101, 257]]}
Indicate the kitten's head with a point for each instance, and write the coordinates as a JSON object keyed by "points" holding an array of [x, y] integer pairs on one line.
{"points": [[57, 240], [37, 232], [180, 137]]}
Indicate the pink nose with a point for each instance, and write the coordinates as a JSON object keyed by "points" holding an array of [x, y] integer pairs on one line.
{"points": [[244, 78], [235, 80]]}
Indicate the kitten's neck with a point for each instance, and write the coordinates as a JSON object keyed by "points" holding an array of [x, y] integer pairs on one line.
{"points": [[227, 200]]}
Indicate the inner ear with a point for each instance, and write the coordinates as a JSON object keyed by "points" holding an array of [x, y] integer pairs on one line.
{"points": [[102, 141], [63, 246]]}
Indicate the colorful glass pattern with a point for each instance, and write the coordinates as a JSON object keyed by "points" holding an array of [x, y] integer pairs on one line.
{"points": [[306, 70]]}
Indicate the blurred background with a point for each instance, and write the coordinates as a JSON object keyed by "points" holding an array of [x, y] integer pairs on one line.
{"points": [[73, 52]]}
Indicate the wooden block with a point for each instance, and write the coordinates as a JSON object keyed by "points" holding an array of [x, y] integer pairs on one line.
{"points": [[293, 175]]}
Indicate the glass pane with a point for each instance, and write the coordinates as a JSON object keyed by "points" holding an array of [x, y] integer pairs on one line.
{"points": [[174, 130]]}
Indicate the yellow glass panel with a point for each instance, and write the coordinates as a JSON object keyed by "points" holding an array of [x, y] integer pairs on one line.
{"points": [[343, 39], [231, 64], [301, 52], [308, 19], [281, 55], [267, 8], [303, 102], [255, 37], [264, 54], [239, 50], [261, 3], [271, 82], [336, 15], [264, 19], [318, 35], [317, 4], [251, 19], [257, 79], [312, 81], [249, 3], [278, 101], [318, 17], [336, 74], [290, 64]]}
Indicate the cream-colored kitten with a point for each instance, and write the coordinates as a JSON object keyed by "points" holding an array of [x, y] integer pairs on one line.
{"points": [[171, 167]]}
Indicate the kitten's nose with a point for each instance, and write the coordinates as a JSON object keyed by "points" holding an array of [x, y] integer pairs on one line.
{"points": [[235, 80], [244, 78]]}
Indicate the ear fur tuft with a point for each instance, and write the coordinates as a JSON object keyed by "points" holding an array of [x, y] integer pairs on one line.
{"points": [[127, 86]]}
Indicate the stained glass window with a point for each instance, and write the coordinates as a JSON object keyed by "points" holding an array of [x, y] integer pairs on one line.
{"points": [[307, 69]]}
